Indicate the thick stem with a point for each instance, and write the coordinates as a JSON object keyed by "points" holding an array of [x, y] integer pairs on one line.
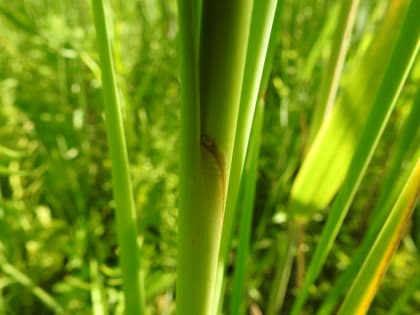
{"points": [[211, 85], [200, 223]]}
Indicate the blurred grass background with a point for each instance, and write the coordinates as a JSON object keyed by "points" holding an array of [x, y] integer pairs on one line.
{"points": [[56, 214]]}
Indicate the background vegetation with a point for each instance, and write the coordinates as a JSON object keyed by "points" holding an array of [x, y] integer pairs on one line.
{"points": [[58, 251]]}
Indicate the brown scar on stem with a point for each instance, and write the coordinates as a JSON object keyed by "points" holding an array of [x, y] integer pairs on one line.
{"points": [[211, 147]]}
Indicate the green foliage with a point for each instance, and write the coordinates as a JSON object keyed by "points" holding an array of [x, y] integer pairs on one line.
{"points": [[58, 238]]}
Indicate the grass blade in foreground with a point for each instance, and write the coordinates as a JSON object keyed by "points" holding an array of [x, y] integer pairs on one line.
{"points": [[248, 186], [397, 70], [121, 183], [368, 279]]}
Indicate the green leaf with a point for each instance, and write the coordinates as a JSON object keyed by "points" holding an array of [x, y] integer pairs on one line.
{"points": [[402, 59], [329, 157], [246, 207], [388, 195], [365, 285], [263, 15], [332, 72]]}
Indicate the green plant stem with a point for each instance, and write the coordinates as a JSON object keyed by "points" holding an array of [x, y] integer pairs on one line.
{"points": [[286, 253], [265, 17], [189, 163], [324, 35], [210, 104], [397, 70], [121, 183], [200, 223], [332, 74], [248, 185], [223, 50], [262, 22]]}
